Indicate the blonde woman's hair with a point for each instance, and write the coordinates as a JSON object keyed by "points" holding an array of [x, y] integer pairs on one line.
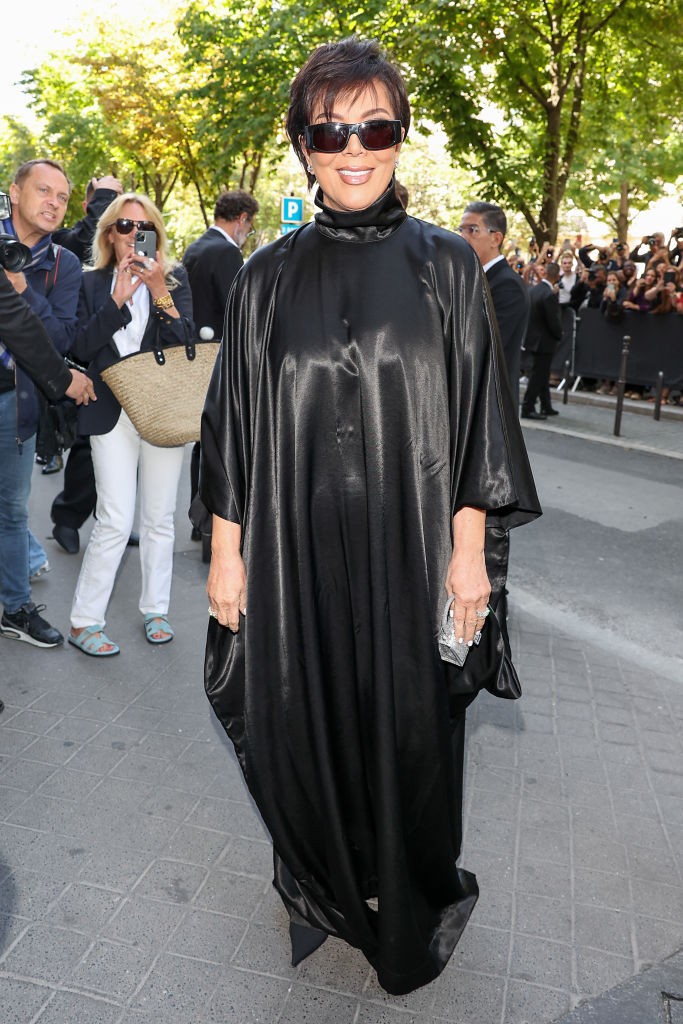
{"points": [[102, 246]]}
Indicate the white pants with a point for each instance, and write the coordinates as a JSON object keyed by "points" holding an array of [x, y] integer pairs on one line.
{"points": [[123, 462]]}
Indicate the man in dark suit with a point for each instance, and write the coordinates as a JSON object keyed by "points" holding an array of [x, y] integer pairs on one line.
{"points": [[543, 337], [212, 263], [214, 259], [484, 226]]}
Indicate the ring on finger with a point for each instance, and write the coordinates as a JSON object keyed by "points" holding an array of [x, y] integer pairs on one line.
{"points": [[483, 614], [212, 613]]}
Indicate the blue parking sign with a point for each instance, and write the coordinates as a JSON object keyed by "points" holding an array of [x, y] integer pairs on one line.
{"points": [[291, 210]]}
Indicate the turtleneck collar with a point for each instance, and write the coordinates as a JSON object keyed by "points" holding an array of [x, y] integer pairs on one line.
{"points": [[369, 225]]}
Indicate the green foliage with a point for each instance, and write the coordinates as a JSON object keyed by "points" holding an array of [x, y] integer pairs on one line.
{"points": [[542, 102]]}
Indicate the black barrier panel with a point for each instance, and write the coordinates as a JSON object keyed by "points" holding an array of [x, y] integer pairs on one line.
{"points": [[656, 344]]}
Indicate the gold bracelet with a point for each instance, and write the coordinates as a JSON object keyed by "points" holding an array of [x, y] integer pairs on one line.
{"points": [[163, 302]]}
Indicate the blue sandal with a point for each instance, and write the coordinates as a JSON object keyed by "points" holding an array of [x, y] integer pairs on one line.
{"points": [[91, 640], [158, 624]]}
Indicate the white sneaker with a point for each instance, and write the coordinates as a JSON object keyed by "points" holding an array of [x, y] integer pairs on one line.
{"points": [[44, 568]]}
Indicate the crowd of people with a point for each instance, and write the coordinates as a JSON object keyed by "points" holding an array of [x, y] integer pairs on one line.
{"points": [[645, 279]]}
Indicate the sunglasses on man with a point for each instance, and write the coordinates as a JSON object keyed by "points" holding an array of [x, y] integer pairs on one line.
{"points": [[333, 136], [124, 226]]}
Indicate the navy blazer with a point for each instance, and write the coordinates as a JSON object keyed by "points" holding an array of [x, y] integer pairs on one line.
{"points": [[98, 320], [211, 263]]}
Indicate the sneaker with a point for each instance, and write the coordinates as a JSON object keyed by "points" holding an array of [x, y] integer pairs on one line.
{"points": [[27, 624], [40, 571]]}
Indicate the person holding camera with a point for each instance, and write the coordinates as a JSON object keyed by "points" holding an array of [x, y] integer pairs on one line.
{"points": [[46, 282], [588, 290], [76, 502], [129, 303], [675, 249], [653, 242], [26, 340], [640, 298]]}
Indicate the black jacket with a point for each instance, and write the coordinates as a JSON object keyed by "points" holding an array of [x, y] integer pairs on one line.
{"points": [[511, 302], [211, 263], [25, 337], [98, 320], [545, 323]]}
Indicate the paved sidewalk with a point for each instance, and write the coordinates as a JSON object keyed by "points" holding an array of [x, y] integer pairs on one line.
{"points": [[592, 417], [135, 874]]}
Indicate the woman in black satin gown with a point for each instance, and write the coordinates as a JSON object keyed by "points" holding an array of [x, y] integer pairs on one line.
{"points": [[359, 443]]}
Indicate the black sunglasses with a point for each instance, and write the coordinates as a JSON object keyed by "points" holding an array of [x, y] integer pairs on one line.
{"points": [[125, 226], [333, 136]]}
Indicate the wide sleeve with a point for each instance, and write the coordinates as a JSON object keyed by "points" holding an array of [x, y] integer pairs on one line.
{"points": [[227, 420], [489, 464]]}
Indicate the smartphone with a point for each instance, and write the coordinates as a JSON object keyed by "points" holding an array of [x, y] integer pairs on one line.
{"points": [[669, 276], [146, 244]]}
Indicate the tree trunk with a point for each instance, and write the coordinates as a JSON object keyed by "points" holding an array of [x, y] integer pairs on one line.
{"points": [[623, 219]]}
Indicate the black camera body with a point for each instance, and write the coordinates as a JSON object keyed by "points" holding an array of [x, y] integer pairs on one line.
{"points": [[14, 255]]}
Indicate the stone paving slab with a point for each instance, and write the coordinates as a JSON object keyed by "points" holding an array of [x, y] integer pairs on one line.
{"points": [[654, 997], [135, 874]]}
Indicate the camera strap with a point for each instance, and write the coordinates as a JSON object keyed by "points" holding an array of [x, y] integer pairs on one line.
{"points": [[51, 274]]}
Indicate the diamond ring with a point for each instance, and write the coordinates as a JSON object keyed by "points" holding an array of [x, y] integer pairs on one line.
{"points": [[212, 614]]}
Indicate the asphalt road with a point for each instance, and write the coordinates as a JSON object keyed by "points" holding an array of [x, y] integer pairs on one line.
{"points": [[606, 554]]}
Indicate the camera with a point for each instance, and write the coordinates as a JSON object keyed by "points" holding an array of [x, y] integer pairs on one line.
{"points": [[13, 254], [620, 247], [669, 276], [652, 240], [549, 253]]}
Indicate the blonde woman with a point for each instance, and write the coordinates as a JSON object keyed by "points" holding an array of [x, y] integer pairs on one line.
{"points": [[127, 304]]}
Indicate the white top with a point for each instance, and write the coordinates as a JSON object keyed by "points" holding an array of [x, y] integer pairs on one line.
{"points": [[129, 338]]}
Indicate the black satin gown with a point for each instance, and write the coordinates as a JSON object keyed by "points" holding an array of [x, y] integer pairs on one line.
{"points": [[356, 406]]}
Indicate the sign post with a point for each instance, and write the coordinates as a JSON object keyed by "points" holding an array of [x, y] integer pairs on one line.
{"points": [[291, 213]]}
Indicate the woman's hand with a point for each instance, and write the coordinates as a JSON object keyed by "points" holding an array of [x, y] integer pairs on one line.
{"points": [[125, 286], [466, 577], [227, 583], [152, 275]]}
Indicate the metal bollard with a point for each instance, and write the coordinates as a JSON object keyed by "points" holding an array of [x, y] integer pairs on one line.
{"points": [[565, 383], [658, 395], [621, 383]]}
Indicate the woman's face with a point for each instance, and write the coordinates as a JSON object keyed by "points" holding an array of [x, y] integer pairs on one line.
{"points": [[650, 277], [613, 280], [124, 244], [356, 177]]}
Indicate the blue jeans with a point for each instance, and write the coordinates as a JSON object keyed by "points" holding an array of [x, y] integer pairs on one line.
{"points": [[16, 466], [36, 554]]}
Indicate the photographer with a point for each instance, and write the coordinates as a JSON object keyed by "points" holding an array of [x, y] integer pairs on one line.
{"points": [[588, 291], [25, 339], [676, 247], [47, 284], [653, 242]]}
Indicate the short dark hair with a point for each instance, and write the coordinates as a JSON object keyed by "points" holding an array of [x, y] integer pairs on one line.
{"points": [[402, 194], [25, 169], [231, 205], [491, 214], [349, 66], [552, 271]]}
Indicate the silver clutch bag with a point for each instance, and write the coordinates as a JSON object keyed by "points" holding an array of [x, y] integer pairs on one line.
{"points": [[449, 648]]}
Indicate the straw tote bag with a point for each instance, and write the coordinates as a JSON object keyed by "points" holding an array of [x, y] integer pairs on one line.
{"points": [[163, 391]]}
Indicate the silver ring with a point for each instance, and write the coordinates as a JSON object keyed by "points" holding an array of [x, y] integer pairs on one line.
{"points": [[477, 636], [482, 615], [212, 614]]}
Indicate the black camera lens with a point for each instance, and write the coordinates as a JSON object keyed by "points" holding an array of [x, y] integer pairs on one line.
{"points": [[13, 254]]}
